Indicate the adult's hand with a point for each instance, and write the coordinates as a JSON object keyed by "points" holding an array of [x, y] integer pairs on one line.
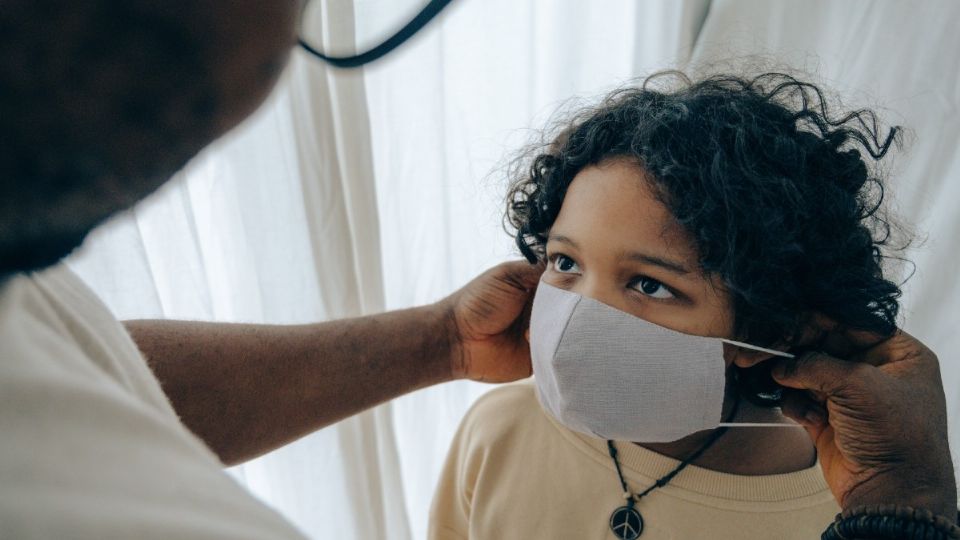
{"points": [[246, 389], [878, 419], [487, 319]]}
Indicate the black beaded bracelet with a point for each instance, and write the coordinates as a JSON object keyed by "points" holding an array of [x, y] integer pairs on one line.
{"points": [[888, 521]]}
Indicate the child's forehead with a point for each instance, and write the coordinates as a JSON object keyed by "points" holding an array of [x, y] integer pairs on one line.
{"points": [[613, 206]]}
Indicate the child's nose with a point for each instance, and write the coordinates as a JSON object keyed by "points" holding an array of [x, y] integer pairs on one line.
{"points": [[603, 291]]}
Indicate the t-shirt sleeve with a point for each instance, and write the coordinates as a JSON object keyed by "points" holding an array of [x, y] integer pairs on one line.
{"points": [[90, 448]]}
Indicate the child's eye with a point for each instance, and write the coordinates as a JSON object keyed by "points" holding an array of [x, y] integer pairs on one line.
{"points": [[651, 288], [565, 265]]}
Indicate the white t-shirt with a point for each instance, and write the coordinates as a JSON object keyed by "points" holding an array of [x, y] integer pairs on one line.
{"points": [[90, 448]]}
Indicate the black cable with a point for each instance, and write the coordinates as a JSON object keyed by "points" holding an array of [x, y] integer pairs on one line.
{"points": [[419, 21]]}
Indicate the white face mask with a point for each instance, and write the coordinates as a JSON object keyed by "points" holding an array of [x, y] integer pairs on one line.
{"points": [[606, 373]]}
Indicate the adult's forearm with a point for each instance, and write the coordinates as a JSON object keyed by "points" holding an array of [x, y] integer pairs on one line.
{"points": [[247, 389]]}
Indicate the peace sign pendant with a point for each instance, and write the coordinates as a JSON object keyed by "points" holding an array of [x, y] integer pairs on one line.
{"points": [[626, 523]]}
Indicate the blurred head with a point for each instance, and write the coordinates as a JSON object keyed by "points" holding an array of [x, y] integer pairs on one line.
{"points": [[728, 207], [102, 104]]}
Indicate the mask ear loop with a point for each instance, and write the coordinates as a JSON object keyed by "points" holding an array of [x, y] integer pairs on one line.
{"points": [[774, 352], [757, 348]]}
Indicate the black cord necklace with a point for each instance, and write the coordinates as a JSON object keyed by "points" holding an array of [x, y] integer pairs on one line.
{"points": [[626, 523]]}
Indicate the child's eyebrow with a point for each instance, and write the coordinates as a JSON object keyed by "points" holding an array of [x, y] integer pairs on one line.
{"points": [[563, 240], [666, 264], [672, 266]]}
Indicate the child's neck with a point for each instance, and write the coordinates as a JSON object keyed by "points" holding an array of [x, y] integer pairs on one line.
{"points": [[748, 451]]}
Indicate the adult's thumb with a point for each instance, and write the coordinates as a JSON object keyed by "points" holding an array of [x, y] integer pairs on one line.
{"points": [[818, 372], [519, 274]]}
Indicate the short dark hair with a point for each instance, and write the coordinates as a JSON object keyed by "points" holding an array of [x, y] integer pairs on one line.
{"points": [[774, 189]]}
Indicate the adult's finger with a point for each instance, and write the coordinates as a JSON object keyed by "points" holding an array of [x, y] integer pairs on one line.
{"points": [[818, 372], [903, 352], [803, 409], [838, 341], [519, 274]]}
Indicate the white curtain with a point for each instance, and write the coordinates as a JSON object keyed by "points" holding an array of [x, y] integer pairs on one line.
{"points": [[351, 192]]}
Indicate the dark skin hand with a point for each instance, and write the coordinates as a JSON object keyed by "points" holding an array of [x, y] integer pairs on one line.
{"points": [[878, 419], [246, 389]]}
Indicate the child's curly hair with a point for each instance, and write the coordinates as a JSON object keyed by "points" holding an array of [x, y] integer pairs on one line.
{"points": [[773, 189]]}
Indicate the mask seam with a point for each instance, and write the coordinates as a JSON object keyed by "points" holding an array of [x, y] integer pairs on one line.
{"points": [[566, 325]]}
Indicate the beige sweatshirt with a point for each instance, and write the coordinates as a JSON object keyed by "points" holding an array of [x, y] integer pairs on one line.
{"points": [[514, 473]]}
